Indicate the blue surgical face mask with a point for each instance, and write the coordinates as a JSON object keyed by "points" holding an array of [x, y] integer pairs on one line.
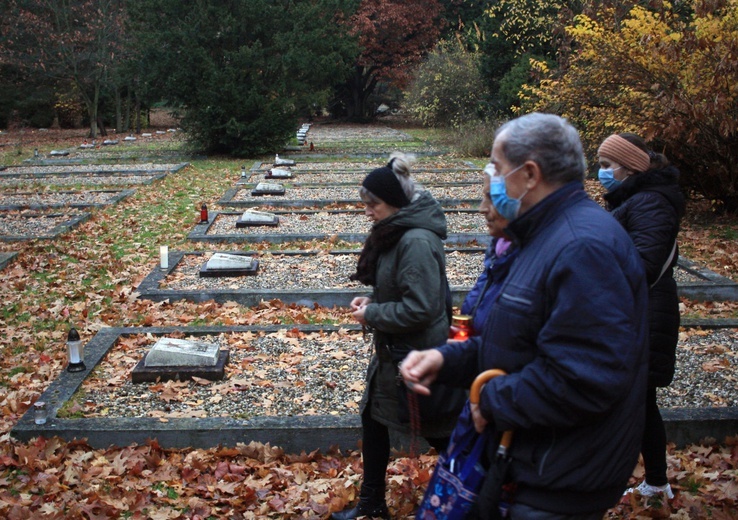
{"points": [[607, 178], [506, 206]]}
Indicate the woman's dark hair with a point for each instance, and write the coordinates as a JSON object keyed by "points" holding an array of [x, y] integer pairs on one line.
{"points": [[658, 160]]}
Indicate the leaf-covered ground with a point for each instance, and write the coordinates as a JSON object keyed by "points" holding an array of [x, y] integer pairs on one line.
{"points": [[88, 277]]}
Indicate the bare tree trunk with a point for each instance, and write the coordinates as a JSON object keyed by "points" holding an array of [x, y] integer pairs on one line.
{"points": [[137, 114], [118, 111]]}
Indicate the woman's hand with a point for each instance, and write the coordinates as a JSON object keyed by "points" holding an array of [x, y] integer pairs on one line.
{"points": [[359, 302], [420, 368], [358, 308]]}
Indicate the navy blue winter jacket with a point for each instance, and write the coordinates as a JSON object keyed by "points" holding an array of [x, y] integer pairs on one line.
{"points": [[570, 328], [482, 295]]}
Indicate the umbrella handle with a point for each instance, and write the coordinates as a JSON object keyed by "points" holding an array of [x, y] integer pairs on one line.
{"points": [[476, 389]]}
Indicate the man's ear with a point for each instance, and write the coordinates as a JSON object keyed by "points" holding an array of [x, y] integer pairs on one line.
{"points": [[533, 175]]}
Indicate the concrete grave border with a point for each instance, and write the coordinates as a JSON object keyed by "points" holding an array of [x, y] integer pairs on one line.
{"points": [[73, 222], [293, 434], [149, 287], [115, 199], [6, 258], [341, 297], [200, 231], [711, 287]]}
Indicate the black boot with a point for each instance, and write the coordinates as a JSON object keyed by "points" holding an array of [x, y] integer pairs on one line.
{"points": [[371, 504]]}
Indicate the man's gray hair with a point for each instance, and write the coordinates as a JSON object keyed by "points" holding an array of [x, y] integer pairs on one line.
{"points": [[548, 140]]}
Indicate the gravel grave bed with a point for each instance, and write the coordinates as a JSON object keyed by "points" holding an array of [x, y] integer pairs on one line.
{"points": [[349, 193], [323, 222], [360, 166], [282, 373], [33, 225], [355, 178], [58, 198], [76, 180], [60, 169], [311, 272], [288, 373], [320, 134]]}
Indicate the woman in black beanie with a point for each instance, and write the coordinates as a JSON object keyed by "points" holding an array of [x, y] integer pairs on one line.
{"points": [[404, 261]]}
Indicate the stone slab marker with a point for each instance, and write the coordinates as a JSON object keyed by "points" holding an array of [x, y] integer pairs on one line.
{"points": [[252, 217], [181, 352], [179, 360], [227, 264], [268, 188], [278, 173]]}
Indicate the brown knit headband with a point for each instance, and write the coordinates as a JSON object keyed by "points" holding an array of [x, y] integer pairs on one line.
{"points": [[625, 153]]}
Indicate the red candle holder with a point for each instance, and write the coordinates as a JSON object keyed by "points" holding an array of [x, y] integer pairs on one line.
{"points": [[461, 327], [203, 214]]}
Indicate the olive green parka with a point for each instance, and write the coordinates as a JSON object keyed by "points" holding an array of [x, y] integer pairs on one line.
{"points": [[408, 310]]}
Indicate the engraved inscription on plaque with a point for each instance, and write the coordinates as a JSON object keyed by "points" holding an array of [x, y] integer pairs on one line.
{"points": [[254, 217], [228, 261], [268, 188], [181, 352]]}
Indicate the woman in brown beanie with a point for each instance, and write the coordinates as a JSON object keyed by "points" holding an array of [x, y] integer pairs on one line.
{"points": [[644, 196], [404, 261]]}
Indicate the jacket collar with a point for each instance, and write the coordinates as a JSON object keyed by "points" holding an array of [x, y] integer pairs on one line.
{"points": [[527, 225]]}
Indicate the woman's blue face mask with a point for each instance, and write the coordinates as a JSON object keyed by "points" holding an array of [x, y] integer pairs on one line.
{"points": [[506, 206], [607, 178]]}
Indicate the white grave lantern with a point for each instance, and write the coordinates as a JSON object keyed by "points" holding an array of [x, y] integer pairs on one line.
{"points": [[75, 352]]}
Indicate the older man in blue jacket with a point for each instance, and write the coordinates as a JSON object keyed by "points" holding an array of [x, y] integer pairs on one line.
{"points": [[569, 327]]}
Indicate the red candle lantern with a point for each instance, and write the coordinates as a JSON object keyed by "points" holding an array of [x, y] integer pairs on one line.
{"points": [[203, 214], [461, 327]]}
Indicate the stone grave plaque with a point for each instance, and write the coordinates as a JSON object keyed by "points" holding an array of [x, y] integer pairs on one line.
{"points": [[278, 173], [110, 142], [229, 264], [129, 138], [58, 153], [252, 217], [182, 352], [180, 359], [278, 161], [268, 188]]}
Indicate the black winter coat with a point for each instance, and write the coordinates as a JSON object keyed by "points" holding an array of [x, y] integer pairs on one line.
{"points": [[650, 206]]}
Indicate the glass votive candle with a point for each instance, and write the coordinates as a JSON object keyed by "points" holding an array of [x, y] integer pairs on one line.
{"points": [[39, 412]]}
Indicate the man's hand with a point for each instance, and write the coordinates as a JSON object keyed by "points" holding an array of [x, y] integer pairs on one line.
{"points": [[479, 422], [420, 368]]}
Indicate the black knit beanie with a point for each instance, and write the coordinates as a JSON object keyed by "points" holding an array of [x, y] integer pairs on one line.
{"points": [[383, 184]]}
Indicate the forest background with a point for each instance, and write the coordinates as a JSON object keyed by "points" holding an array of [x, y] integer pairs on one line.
{"points": [[240, 76]]}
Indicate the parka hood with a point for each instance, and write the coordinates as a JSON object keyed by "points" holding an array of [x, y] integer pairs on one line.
{"points": [[423, 212]]}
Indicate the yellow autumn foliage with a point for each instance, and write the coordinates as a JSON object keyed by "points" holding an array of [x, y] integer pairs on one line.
{"points": [[669, 77]]}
